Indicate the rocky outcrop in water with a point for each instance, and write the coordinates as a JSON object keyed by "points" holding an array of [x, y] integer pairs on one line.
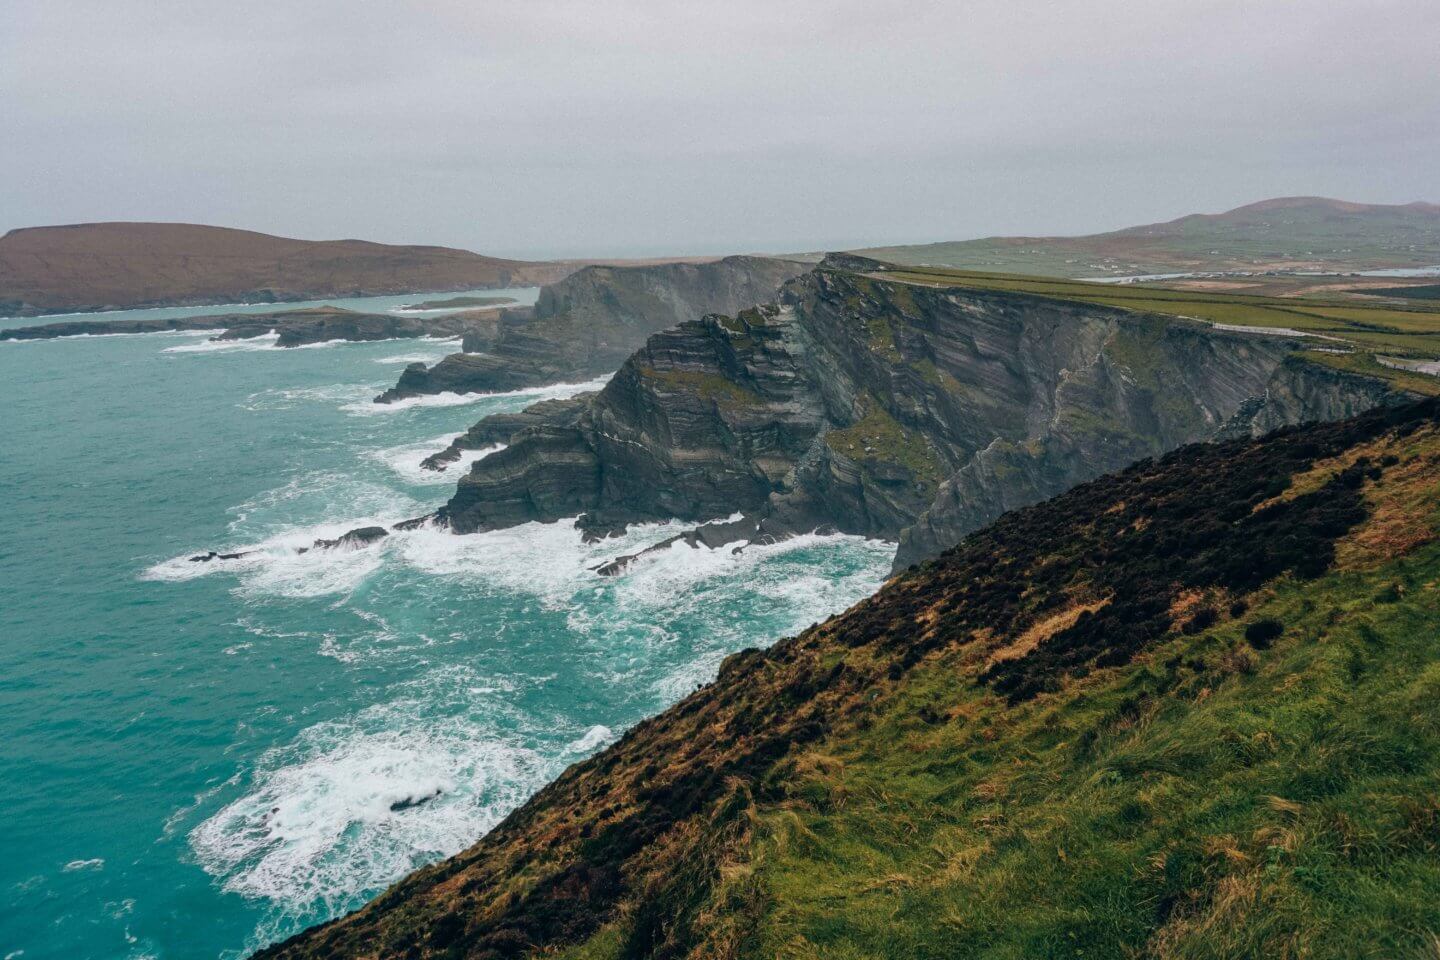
{"points": [[500, 428], [587, 324], [356, 539], [296, 328], [880, 408]]}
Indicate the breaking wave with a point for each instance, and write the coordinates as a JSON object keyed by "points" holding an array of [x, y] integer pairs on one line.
{"points": [[554, 391]]}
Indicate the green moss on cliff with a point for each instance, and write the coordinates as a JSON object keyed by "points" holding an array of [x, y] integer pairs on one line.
{"points": [[1365, 363], [711, 386], [1385, 328], [878, 438], [881, 337]]}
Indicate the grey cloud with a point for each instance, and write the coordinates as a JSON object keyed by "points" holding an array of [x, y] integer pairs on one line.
{"points": [[560, 127]]}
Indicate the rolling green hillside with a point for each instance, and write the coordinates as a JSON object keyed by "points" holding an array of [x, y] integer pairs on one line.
{"points": [[1288, 233], [1187, 710]]}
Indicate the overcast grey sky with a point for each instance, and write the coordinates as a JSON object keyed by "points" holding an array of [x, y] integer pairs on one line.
{"points": [[563, 127]]}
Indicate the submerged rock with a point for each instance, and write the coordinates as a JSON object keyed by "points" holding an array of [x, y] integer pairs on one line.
{"points": [[353, 540], [409, 803], [212, 555]]}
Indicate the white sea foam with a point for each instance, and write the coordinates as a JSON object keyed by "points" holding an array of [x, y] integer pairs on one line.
{"points": [[595, 738], [337, 341], [269, 540], [773, 589], [405, 460], [351, 805], [276, 568], [277, 398], [320, 497], [440, 348], [97, 863], [554, 391], [265, 341], [110, 336], [551, 562], [545, 560], [370, 408], [323, 821]]}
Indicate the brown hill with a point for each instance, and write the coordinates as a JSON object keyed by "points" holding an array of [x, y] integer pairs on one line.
{"points": [[95, 266]]}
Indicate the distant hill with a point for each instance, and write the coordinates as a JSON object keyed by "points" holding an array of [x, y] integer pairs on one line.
{"points": [[94, 266], [1287, 233]]}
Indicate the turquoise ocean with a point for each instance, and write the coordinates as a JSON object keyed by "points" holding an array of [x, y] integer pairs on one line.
{"points": [[199, 759]]}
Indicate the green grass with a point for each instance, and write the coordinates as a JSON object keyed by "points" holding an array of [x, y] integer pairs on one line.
{"points": [[710, 386], [879, 438], [1427, 291], [1366, 364], [1257, 810], [1216, 798], [1385, 329], [1063, 828], [1065, 737]]}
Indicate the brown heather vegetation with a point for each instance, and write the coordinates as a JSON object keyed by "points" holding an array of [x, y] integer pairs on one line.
{"points": [[1187, 710]]}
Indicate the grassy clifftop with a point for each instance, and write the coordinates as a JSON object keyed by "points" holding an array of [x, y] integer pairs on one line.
{"points": [[1188, 710], [1374, 338]]}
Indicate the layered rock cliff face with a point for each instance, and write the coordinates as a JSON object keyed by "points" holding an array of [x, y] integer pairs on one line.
{"points": [[590, 322], [891, 410], [501, 428]]}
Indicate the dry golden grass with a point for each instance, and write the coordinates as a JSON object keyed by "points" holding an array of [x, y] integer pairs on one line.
{"points": [[1042, 631]]}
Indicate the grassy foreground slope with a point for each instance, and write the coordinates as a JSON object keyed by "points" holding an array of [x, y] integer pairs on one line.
{"points": [[1285, 233], [1187, 710]]}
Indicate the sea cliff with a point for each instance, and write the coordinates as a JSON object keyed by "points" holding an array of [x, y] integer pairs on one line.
{"points": [[878, 407], [588, 324]]}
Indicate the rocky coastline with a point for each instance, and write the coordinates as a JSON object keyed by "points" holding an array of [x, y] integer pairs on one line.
{"points": [[587, 324], [870, 406]]}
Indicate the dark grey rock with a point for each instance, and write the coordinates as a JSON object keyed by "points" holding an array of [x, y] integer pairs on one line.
{"points": [[890, 410], [354, 539], [499, 428], [587, 324]]}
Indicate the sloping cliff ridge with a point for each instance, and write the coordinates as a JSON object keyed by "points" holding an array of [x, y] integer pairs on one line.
{"points": [[1182, 711], [891, 410], [588, 324]]}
